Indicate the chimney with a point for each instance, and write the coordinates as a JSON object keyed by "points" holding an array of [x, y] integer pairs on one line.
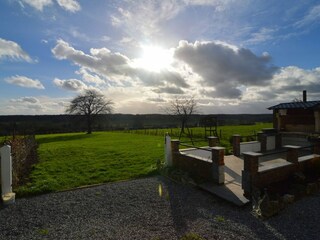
{"points": [[304, 95]]}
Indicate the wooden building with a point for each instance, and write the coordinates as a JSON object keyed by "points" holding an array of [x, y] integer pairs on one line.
{"points": [[303, 116]]}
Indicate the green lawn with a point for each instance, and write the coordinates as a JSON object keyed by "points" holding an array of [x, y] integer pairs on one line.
{"points": [[72, 160]]}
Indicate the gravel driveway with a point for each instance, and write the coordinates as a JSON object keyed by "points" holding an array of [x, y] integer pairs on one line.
{"points": [[135, 210]]}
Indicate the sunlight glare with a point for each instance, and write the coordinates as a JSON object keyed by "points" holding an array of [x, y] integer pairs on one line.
{"points": [[155, 58]]}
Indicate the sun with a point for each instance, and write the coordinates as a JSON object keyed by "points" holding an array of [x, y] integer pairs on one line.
{"points": [[155, 58]]}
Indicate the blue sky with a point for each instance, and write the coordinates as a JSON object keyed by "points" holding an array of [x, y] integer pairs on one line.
{"points": [[232, 56]]}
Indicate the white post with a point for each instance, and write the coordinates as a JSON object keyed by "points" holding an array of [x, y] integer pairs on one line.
{"points": [[8, 197], [167, 149]]}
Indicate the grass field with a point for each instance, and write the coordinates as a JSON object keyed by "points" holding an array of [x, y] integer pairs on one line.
{"points": [[224, 132], [72, 160]]}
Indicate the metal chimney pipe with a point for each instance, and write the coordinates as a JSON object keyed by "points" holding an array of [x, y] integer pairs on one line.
{"points": [[304, 95]]}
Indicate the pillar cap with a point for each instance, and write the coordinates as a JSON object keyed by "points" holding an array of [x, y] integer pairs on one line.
{"points": [[255, 154], [292, 146], [218, 148]]}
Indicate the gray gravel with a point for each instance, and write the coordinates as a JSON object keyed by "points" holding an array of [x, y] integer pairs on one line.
{"points": [[134, 210]]}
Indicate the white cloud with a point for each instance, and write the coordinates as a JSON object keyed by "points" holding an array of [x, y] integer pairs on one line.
{"points": [[32, 100], [38, 4], [264, 34], [115, 67], [24, 81], [89, 77], [145, 16], [287, 84], [34, 105], [70, 84], [12, 50], [313, 16], [69, 5]]}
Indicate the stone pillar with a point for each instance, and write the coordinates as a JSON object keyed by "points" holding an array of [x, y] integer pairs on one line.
{"points": [[250, 171], [168, 151], [236, 138], [218, 164], [212, 141], [292, 153], [8, 197]]}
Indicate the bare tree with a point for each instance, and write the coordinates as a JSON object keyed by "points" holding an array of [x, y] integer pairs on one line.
{"points": [[90, 104], [183, 108]]}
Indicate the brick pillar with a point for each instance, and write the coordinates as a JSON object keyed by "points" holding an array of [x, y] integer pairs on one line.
{"points": [[175, 150], [218, 164], [236, 144], [317, 121], [250, 171], [262, 138], [316, 146], [278, 141], [212, 141], [292, 153]]}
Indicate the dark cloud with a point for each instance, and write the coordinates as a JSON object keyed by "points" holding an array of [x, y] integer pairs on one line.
{"points": [[226, 67], [170, 90]]}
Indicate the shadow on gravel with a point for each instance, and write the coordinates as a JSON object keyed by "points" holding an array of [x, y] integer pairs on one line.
{"points": [[190, 206]]}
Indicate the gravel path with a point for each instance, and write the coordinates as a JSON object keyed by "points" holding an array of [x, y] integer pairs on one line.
{"points": [[134, 210]]}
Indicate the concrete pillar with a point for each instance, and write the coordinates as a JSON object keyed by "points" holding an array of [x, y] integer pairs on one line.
{"points": [[292, 153], [236, 138], [218, 164], [8, 197], [250, 170], [212, 141], [168, 151]]}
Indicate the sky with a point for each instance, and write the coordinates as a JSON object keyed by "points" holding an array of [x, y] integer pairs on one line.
{"points": [[231, 56]]}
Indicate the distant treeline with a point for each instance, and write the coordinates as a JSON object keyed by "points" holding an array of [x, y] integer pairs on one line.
{"points": [[40, 124]]}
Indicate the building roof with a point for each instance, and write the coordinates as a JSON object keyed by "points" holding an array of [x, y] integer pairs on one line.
{"points": [[296, 105]]}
